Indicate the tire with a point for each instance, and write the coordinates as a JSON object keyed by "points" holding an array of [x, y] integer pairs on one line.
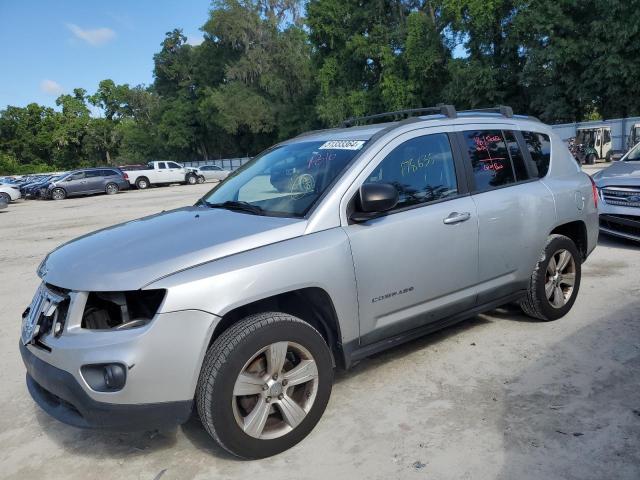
{"points": [[244, 347], [537, 303], [58, 194], [591, 159], [191, 179], [111, 189], [201, 180], [608, 157], [5, 197], [142, 183]]}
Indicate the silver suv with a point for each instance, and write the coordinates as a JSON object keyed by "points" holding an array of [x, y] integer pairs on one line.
{"points": [[242, 305]]}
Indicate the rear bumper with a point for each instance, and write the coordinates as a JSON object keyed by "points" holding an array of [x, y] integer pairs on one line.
{"points": [[59, 394]]}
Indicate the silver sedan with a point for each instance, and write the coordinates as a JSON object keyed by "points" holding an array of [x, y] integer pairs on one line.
{"points": [[213, 172]]}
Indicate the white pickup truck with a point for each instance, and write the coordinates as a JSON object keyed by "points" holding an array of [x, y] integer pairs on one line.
{"points": [[160, 173]]}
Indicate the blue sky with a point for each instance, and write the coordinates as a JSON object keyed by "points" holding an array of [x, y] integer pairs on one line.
{"points": [[52, 47]]}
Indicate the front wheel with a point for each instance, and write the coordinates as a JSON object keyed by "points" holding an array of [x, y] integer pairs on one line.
{"points": [[201, 179], [192, 179], [264, 384], [555, 281], [5, 197], [591, 159]]}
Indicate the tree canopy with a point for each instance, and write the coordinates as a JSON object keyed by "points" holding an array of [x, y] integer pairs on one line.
{"points": [[269, 69]]}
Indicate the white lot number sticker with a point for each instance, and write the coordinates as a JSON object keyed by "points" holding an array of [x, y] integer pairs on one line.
{"points": [[342, 145]]}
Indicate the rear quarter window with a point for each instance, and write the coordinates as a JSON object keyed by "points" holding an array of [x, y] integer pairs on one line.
{"points": [[539, 146]]}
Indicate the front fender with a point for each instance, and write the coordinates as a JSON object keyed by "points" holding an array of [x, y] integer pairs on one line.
{"points": [[321, 260]]}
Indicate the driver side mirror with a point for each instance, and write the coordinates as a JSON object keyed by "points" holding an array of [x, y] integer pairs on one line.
{"points": [[373, 199]]}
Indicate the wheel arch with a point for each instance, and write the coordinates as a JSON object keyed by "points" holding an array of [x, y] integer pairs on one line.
{"points": [[143, 177], [311, 304], [576, 231]]}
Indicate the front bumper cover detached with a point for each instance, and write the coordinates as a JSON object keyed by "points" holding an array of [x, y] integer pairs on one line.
{"points": [[59, 394]]}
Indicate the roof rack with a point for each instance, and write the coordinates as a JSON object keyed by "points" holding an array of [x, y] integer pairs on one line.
{"points": [[503, 110], [446, 110]]}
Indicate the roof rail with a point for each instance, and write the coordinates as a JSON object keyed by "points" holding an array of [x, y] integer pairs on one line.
{"points": [[446, 110], [503, 110]]}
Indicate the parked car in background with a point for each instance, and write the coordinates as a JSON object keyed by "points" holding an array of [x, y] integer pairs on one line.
{"points": [[160, 173], [32, 188], [9, 192], [619, 189], [242, 304], [87, 181], [213, 172]]}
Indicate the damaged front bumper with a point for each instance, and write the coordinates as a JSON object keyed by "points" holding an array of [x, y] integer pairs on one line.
{"points": [[160, 362]]}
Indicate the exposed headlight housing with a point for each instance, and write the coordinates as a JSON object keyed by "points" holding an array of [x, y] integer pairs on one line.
{"points": [[121, 310]]}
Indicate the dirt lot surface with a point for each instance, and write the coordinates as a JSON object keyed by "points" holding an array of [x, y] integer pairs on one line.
{"points": [[499, 396]]}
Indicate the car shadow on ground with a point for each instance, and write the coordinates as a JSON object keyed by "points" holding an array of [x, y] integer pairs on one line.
{"points": [[574, 413]]}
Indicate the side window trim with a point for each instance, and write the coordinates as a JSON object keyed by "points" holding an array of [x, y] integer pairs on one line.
{"points": [[532, 168], [513, 162]]}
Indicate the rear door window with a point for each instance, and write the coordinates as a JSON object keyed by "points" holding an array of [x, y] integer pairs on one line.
{"points": [[422, 170], [162, 165], [489, 159], [539, 147]]}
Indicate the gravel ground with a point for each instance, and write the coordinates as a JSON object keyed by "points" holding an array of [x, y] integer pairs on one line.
{"points": [[498, 396]]}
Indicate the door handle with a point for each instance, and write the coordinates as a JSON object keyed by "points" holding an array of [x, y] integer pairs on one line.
{"points": [[455, 217]]}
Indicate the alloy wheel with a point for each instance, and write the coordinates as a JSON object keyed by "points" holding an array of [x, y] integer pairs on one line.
{"points": [[275, 390], [560, 278]]}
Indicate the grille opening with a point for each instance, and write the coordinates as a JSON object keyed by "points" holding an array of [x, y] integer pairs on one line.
{"points": [[121, 310], [626, 224]]}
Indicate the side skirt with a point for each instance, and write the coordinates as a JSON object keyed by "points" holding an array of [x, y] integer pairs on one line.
{"points": [[353, 352]]}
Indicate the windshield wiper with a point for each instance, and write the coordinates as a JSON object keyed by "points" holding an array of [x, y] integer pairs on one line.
{"points": [[237, 205]]}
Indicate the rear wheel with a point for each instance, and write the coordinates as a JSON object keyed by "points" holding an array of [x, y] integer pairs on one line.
{"points": [[142, 183], [264, 384], [5, 197], [58, 194], [555, 281], [111, 189], [591, 159], [200, 179]]}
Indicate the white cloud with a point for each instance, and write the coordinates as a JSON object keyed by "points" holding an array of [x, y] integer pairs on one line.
{"points": [[95, 37], [51, 87], [195, 40]]}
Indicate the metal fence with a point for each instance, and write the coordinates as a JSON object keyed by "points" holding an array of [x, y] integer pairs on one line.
{"points": [[226, 163]]}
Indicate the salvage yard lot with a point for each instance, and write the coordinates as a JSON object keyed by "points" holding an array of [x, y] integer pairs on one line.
{"points": [[498, 396]]}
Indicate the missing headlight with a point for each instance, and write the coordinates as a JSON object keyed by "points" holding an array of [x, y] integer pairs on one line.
{"points": [[121, 310]]}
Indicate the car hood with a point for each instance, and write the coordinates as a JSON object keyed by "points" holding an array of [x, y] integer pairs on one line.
{"points": [[133, 254], [619, 174]]}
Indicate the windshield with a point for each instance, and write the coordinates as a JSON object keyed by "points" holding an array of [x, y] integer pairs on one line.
{"points": [[633, 155], [285, 180]]}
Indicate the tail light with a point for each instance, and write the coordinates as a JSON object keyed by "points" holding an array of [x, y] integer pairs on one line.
{"points": [[125, 176], [594, 191]]}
